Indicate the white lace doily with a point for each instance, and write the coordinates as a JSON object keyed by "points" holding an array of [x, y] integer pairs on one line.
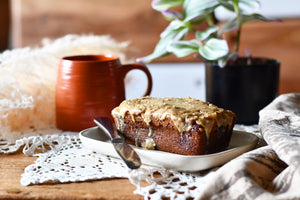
{"points": [[65, 159]]}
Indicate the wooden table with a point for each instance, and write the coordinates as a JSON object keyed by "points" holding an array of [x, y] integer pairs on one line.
{"points": [[12, 167]]}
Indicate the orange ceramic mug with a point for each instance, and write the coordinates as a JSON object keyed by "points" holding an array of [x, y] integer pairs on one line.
{"points": [[90, 86]]}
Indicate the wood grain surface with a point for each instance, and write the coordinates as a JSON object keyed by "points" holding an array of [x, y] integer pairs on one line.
{"points": [[136, 21], [130, 20], [12, 167]]}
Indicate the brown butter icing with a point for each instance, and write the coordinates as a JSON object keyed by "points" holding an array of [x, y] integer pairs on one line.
{"points": [[184, 112]]}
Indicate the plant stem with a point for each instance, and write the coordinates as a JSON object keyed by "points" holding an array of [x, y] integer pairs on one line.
{"points": [[210, 19], [238, 17]]}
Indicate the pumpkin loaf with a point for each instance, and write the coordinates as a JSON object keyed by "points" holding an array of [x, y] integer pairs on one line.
{"points": [[184, 126]]}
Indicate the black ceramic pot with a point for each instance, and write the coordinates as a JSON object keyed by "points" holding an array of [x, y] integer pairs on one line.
{"points": [[241, 88]]}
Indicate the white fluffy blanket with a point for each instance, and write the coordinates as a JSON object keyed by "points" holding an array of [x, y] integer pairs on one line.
{"points": [[28, 78]]}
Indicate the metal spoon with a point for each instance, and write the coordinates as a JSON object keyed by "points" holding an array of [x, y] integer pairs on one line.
{"points": [[126, 152]]}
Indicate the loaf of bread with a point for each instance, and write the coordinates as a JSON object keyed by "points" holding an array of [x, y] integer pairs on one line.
{"points": [[184, 126]]}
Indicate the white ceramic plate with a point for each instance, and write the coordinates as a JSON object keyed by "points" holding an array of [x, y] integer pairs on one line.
{"points": [[96, 140]]}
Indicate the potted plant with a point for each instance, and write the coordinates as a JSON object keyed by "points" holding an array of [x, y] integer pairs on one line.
{"points": [[243, 84]]}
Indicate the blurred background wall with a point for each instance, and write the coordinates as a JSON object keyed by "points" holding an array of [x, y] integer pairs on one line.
{"points": [[27, 22]]}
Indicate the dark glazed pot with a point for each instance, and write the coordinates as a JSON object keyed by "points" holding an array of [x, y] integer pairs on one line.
{"points": [[243, 89]]}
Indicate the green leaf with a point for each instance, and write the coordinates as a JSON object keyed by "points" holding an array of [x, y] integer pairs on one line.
{"points": [[245, 6], [196, 8], [161, 47], [162, 5], [153, 56], [228, 26], [171, 15], [205, 34], [173, 26], [249, 6], [226, 5], [184, 48], [174, 35], [214, 49], [256, 16], [198, 20]]}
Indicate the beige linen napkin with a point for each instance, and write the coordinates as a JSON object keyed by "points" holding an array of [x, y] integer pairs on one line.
{"points": [[269, 172]]}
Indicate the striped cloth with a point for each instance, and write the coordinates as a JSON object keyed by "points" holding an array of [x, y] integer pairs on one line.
{"points": [[269, 172]]}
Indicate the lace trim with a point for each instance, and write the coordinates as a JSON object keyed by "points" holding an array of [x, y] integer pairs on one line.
{"points": [[63, 158]]}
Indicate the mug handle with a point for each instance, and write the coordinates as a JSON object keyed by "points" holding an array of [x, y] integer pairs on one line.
{"points": [[127, 67]]}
